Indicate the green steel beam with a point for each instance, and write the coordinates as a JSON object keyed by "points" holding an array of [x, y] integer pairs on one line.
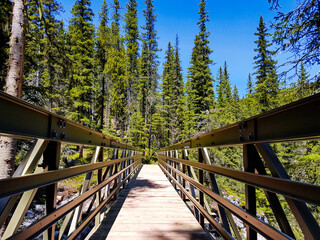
{"points": [[296, 121], [23, 120]]}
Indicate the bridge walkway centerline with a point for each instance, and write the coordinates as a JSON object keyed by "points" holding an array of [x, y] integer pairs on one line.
{"points": [[149, 208]]}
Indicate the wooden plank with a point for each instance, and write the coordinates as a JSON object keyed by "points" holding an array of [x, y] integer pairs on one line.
{"points": [[149, 208]]}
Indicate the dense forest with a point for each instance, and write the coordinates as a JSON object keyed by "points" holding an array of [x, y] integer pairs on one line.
{"points": [[107, 78]]}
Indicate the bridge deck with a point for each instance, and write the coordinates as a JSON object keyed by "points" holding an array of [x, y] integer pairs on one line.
{"points": [[149, 208]]}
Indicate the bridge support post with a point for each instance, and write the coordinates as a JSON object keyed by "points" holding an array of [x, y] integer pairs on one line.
{"points": [[193, 193], [248, 163], [201, 178], [184, 170], [51, 158], [300, 210]]}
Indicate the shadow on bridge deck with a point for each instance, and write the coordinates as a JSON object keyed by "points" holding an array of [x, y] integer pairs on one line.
{"points": [[149, 208]]}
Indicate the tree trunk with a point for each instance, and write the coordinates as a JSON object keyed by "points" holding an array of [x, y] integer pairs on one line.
{"points": [[13, 83]]}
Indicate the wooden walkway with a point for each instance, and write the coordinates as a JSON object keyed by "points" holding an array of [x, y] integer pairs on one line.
{"points": [[149, 208]]}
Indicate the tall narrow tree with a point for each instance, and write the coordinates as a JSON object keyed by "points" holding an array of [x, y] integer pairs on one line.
{"points": [[149, 76], [249, 85], [178, 99], [199, 75], [116, 68], [303, 86], [224, 87], [267, 84], [132, 51], [167, 92], [103, 43], [132, 62], [81, 34]]}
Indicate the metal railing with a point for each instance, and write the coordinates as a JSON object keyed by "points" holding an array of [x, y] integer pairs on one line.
{"points": [[41, 168], [262, 169]]}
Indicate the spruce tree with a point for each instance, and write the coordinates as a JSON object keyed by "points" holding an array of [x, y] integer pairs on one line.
{"points": [[132, 52], [178, 99], [81, 34], [302, 82], [53, 56], [33, 66], [220, 97], [226, 82], [249, 85], [103, 44], [199, 75], [167, 92], [116, 68], [132, 62], [267, 83], [149, 65], [224, 87], [235, 94]]}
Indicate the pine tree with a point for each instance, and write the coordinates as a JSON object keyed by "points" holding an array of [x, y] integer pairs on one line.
{"points": [[116, 68], [132, 56], [303, 88], [53, 56], [167, 92], [178, 100], [226, 82], [34, 52], [224, 87], [235, 94], [249, 85], [132, 51], [199, 75], [267, 84], [220, 97], [103, 44], [149, 65], [81, 34]]}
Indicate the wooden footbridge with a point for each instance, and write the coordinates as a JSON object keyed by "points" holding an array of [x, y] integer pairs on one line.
{"points": [[122, 199]]}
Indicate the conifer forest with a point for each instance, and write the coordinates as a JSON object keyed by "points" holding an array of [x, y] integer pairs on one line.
{"points": [[107, 77]]}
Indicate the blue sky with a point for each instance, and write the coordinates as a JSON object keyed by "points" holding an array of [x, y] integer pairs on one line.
{"points": [[232, 26]]}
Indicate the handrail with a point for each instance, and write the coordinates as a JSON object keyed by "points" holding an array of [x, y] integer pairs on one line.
{"points": [[16, 185], [298, 190], [23, 120], [41, 168], [295, 121], [48, 220]]}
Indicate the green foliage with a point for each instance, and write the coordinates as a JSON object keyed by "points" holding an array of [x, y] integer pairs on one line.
{"points": [[199, 83], [103, 44], [297, 32], [81, 90], [223, 87], [5, 12], [267, 84], [132, 54]]}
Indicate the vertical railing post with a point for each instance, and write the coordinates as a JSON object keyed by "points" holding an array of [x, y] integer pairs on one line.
{"points": [[116, 166], [248, 163], [51, 159], [122, 165], [201, 181], [174, 165], [184, 170], [193, 193]]}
